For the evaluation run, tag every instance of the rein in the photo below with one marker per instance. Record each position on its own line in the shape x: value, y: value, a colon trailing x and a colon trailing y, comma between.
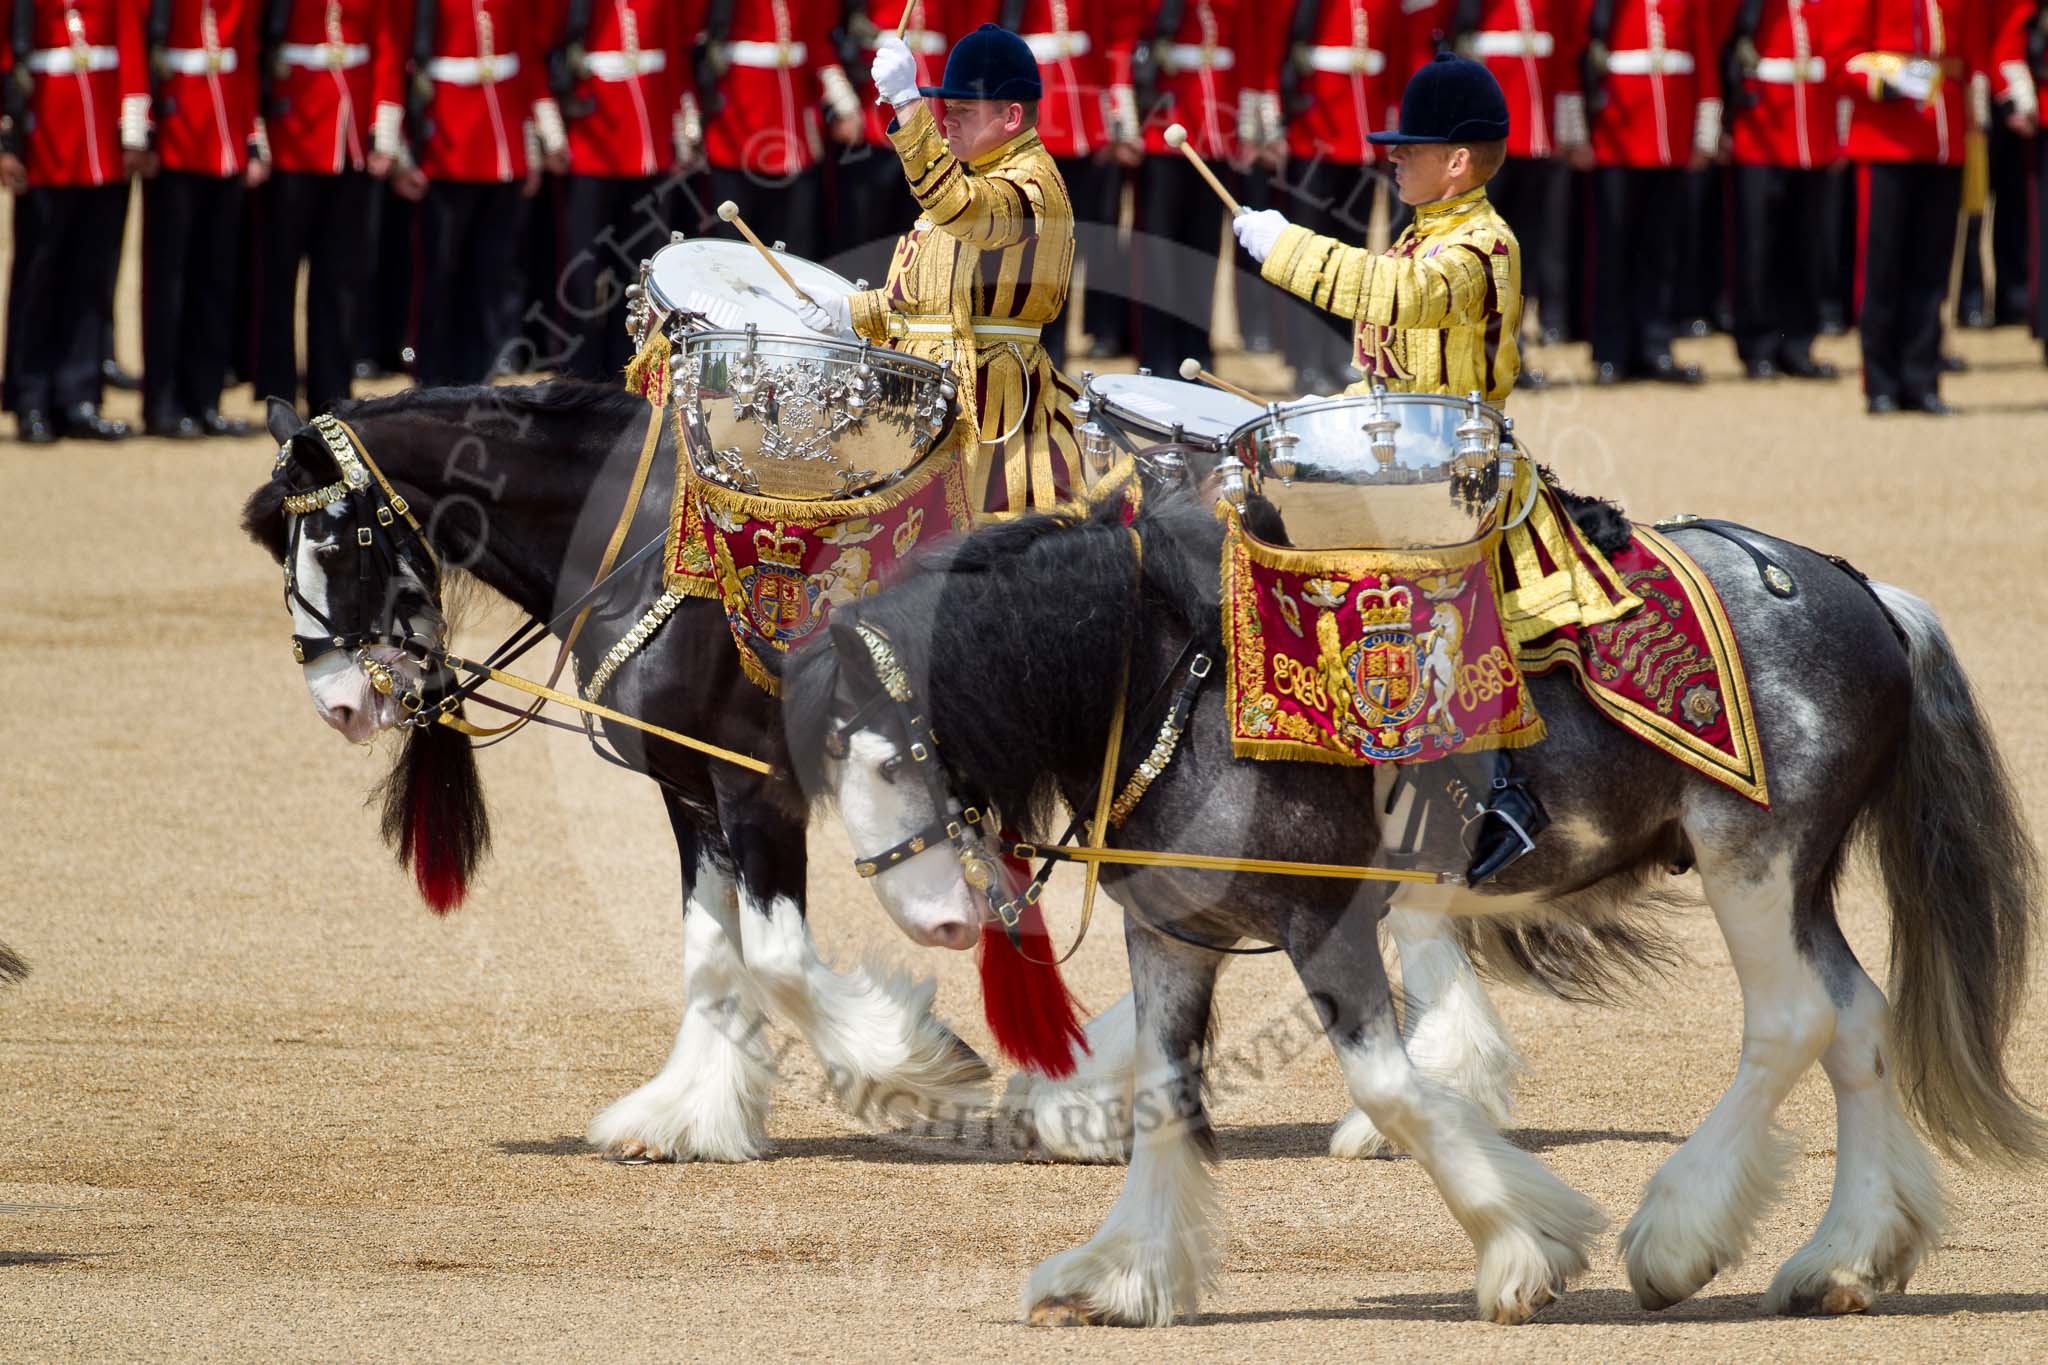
x: 377, y: 539
x: 964, y: 833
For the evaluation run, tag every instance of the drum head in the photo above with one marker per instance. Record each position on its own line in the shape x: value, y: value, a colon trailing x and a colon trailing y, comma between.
x: 1148, y: 407
x: 726, y: 285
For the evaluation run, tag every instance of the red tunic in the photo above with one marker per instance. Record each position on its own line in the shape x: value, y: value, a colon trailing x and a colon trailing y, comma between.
x: 1954, y: 34
x: 1222, y: 49
x: 933, y: 29
x: 488, y: 70
x: 1662, y: 92
x: 206, y: 92
x: 779, y: 63
x: 1790, y: 119
x: 1531, y: 47
x: 341, y: 62
x: 621, y: 119
x: 1071, y: 40
x: 91, y: 94
x: 1357, y: 61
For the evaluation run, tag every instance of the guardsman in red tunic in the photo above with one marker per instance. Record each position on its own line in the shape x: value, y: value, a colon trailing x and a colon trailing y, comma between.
x: 469, y: 147
x: 1653, y: 99
x: 619, y: 71
x: 1344, y: 64
x: 328, y: 65
x: 768, y: 81
x: 1070, y: 40
x: 1906, y: 69
x: 871, y: 203
x: 1782, y: 134
x: 78, y: 110
x: 1207, y: 65
x: 2019, y: 55
x: 1528, y: 45
x: 207, y: 146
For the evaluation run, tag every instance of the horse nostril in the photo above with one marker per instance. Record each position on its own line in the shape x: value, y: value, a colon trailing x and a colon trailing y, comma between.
x: 957, y: 935
x: 342, y: 716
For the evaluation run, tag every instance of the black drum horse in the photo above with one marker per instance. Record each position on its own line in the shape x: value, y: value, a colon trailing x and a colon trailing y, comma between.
x: 1013, y: 651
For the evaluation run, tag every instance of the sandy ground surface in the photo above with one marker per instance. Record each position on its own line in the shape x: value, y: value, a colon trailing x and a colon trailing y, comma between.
x: 256, y: 1102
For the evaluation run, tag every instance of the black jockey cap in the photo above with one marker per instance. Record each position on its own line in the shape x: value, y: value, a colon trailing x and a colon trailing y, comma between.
x: 1452, y: 99
x: 990, y: 63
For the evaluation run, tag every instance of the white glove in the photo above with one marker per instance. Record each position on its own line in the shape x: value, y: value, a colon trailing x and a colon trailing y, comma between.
x: 895, y: 70
x: 829, y: 313
x: 1258, y: 233
x: 1915, y: 81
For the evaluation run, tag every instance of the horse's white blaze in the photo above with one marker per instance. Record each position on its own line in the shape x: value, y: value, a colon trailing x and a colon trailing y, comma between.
x: 1151, y: 1257
x: 884, y: 1051
x: 1887, y: 1209
x: 927, y: 895
x: 1087, y: 1116
x: 1531, y: 1230
x: 1699, y: 1209
x: 340, y: 688
x: 708, y: 1101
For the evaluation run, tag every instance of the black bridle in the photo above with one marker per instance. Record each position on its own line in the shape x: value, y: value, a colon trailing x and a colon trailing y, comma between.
x: 389, y: 542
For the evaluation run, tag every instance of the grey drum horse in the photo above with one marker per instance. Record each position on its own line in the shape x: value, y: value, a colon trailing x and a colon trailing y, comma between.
x: 1013, y: 650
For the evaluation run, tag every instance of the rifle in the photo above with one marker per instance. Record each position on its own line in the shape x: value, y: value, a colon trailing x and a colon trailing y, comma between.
x: 710, y: 59
x: 1147, y: 62
x: 157, y: 41
x: 566, y: 62
x: 1738, y: 64
x: 21, y: 83
x: 1593, y: 61
x: 1301, y: 35
x: 277, y: 21
x: 419, y: 91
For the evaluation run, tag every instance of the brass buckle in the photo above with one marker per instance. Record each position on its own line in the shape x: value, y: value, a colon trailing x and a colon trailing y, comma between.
x: 1201, y: 666
x: 363, y: 537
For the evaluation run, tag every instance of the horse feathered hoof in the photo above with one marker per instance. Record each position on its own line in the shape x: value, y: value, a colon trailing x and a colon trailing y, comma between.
x: 1514, y: 1312
x: 1823, y: 1296
x: 634, y: 1152
x: 1068, y: 1311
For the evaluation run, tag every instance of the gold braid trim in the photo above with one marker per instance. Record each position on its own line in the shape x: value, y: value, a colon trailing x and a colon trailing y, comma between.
x: 651, y: 357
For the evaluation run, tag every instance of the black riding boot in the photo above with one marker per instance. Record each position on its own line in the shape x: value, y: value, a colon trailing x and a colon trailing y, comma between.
x: 1489, y: 790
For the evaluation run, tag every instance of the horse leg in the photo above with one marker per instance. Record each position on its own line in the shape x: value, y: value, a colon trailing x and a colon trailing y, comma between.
x: 708, y: 1100
x: 1085, y: 1117
x: 1452, y: 1032
x: 1887, y: 1208
x: 1698, y: 1210
x: 1531, y: 1230
x: 883, y: 1049
x: 1156, y: 1250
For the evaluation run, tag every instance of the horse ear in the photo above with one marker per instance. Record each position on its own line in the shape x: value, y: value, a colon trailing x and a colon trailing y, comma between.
x: 771, y: 659
x: 282, y: 419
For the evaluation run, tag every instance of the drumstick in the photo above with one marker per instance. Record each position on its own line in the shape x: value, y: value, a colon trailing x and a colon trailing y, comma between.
x: 730, y: 212
x: 1177, y: 137
x: 1192, y: 371
x: 903, y: 24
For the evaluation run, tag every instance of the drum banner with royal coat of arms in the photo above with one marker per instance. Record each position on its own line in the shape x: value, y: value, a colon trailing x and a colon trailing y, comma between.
x: 779, y: 567
x: 1368, y: 656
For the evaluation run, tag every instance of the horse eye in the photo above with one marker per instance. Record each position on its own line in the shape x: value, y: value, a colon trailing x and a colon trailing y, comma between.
x: 890, y: 767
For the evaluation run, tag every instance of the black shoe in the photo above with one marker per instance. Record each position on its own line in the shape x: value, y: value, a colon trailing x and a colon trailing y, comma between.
x: 118, y: 378
x: 36, y: 429
x: 1513, y: 818
x: 1759, y: 369
x: 183, y: 429
x: 1665, y: 369
x: 83, y: 420
x: 1881, y: 404
x: 1953, y: 364
x: 215, y: 424
x: 1806, y: 367
x: 1607, y: 374
x: 1931, y: 404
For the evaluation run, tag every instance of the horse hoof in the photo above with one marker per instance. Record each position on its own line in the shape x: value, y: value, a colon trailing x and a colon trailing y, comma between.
x: 633, y: 1152
x: 1515, y: 1312
x: 1846, y: 1298
x: 1062, y: 1312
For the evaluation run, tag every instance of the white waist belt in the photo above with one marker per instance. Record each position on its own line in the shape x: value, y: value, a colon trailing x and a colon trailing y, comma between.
x: 1790, y: 71
x: 1511, y: 43
x: 325, y: 56
x: 1193, y: 56
x: 773, y: 56
x: 922, y: 40
x: 67, y: 61
x: 473, y: 70
x: 1050, y: 47
x: 1347, y: 61
x: 198, y: 61
x: 929, y: 325
x: 1648, y: 62
x: 623, y: 66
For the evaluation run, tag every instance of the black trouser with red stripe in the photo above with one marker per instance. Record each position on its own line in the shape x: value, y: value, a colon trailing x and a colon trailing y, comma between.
x: 324, y: 221
x: 1638, y: 218
x: 67, y: 245
x: 1782, y: 250
x: 1095, y: 186
x: 191, y: 244
x: 786, y: 209
x: 609, y: 225
x: 471, y: 281
x: 1907, y: 222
